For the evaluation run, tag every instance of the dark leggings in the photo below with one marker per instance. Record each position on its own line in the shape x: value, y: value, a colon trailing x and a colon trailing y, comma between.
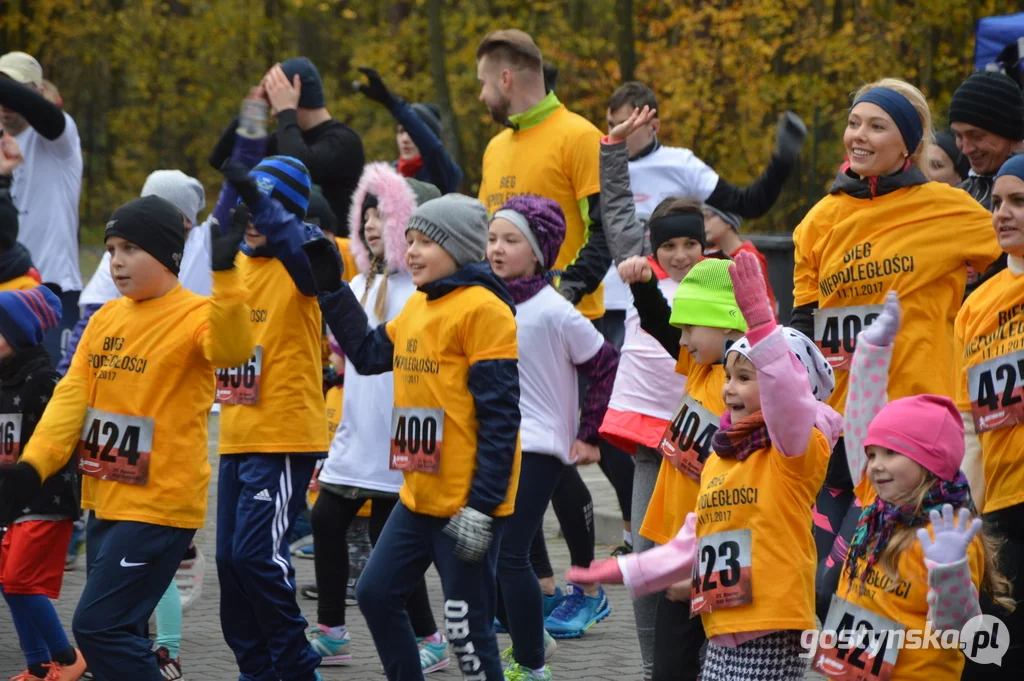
x: 332, y: 514
x: 574, y: 509
x: 677, y: 641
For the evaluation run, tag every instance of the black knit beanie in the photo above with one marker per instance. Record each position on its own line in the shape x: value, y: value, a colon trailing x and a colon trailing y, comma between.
x: 154, y: 225
x: 991, y: 101
x: 312, y: 96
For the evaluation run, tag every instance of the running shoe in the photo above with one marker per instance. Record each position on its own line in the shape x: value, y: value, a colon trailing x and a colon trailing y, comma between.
x: 26, y: 676
x: 310, y: 591
x: 550, y: 646
x: 577, y: 613
x: 517, y: 672
x: 305, y: 552
x: 70, y: 672
x: 433, y: 656
x: 189, y: 577
x: 170, y: 668
x: 552, y: 602
x: 332, y: 651
x: 623, y: 549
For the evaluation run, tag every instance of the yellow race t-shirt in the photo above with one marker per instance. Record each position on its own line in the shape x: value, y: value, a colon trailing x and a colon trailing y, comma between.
x: 557, y: 158
x: 905, y: 603
x: 351, y: 268
x: 850, y: 252
x: 288, y: 414
x: 436, y: 342
x: 135, y: 403
x: 22, y: 283
x: 989, y: 337
x: 675, y: 493
x: 767, y: 497
x: 334, y: 402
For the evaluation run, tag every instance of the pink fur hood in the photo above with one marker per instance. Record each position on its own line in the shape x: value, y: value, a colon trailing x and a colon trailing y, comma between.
x: 396, y: 201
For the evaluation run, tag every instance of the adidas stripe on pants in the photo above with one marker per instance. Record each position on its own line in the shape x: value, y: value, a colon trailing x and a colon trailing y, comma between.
x: 259, y: 497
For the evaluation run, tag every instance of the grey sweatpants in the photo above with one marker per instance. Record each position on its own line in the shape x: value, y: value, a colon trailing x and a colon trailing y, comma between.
x: 648, y: 462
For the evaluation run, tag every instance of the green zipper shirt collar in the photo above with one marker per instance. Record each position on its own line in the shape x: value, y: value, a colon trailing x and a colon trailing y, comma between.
x: 536, y: 114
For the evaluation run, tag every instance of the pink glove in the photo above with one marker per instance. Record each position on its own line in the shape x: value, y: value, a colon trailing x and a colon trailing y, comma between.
x: 659, y: 568
x: 749, y: 288
x: 605, y: 571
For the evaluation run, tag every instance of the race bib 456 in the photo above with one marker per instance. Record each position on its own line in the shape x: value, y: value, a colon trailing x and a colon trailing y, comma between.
x: 241, y: 384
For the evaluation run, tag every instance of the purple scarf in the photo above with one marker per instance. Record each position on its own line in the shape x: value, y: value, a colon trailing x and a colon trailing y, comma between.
x: 524, y: 288
x: 877, y: 521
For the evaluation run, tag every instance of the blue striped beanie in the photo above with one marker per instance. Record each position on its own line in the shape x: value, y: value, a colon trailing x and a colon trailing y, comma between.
x: 286, y: 179
x: 26, y: 316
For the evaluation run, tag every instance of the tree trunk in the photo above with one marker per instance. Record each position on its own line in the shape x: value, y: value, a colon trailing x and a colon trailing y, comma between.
x: 624, y: 38
x: 439, y: 71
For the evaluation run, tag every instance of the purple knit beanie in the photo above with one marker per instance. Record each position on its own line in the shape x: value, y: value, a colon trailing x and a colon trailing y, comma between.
x: 541, y: 221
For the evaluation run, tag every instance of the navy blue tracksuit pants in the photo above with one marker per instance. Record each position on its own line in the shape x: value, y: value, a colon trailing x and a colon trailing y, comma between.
x: 259, y: 496
x: 129, y: 566
x: 409, y: 543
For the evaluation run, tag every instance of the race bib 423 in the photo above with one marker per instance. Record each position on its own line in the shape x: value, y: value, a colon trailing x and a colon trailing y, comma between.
x: 115, y: 447
x: 721, y: 575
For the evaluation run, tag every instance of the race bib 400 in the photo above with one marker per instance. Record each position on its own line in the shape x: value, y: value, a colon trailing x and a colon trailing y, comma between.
x: 241, y: 384
x: 996, y: 388
x: 721, y: 575
x: 686, y: 442
x: 10, y: 438
x: 836, y: 329
x: 416, y: 437
x: 115, y: 447
x: 861, y: 650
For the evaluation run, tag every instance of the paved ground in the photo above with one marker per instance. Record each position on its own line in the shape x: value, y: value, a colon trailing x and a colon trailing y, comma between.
x: 607, y: 652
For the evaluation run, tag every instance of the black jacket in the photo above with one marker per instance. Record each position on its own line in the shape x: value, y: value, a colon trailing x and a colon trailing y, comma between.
x: 27, y: 381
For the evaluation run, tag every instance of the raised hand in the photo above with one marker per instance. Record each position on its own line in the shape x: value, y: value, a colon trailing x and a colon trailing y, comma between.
x: 789, y: 136
x: 883, y: 330
x: 375, y: 89
x: 635, y: 270
x: 638, y: 119
x: 951, y: 538
x: 281, y: 94
x: 749, y: 288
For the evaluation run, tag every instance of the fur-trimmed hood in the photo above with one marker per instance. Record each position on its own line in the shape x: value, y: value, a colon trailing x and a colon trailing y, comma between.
x: 396, y: 200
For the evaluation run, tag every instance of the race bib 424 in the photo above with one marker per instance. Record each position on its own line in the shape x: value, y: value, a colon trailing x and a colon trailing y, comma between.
x: 115, y: 447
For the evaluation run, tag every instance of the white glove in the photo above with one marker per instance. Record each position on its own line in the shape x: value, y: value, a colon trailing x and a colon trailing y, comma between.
x: 471, y: 531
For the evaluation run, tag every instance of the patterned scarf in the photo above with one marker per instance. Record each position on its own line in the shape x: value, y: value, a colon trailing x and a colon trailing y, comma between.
x: 740, y: 440
x: 524, y: 288
x: 878, y: 521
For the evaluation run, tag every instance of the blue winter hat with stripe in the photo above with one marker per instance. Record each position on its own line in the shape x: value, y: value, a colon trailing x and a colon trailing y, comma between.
x: 26, y: 316
x: 286, y: 179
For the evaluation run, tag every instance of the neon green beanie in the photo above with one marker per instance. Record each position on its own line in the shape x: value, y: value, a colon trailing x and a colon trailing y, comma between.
x: 705, y: 298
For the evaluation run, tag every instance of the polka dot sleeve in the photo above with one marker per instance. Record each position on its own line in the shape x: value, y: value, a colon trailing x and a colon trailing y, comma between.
x: 952, y: 597
x: 867, y: 394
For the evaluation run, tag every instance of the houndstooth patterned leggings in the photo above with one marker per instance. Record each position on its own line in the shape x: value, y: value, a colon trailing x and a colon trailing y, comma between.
x: 775, y: 657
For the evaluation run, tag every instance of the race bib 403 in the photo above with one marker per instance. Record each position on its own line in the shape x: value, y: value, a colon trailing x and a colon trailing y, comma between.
x: 115, y: 447
x: 721, y: 575
x: 10, y: 438
x: 686, y: 442
x: 416, y: 437
x: 861, y: 650
x: 996, y: 388
x: 836, y: 329
x: 241, y: 384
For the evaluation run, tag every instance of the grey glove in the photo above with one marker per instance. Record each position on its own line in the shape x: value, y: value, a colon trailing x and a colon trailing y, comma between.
x: 789, y: 136
x: 252, y: 119
x: 471, y: 531
x: 883, y: 330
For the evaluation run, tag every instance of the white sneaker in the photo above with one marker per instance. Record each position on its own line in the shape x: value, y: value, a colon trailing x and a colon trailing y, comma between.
x: 189, y: 579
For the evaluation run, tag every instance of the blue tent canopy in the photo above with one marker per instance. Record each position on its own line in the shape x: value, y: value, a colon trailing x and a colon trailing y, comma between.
x: 993, y: 35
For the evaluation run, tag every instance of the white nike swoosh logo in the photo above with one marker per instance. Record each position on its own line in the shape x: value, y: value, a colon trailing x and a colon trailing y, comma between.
x: 127, y: 564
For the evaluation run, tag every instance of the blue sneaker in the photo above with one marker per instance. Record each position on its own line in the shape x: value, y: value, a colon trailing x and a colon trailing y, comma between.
x: 552, y: 602
x: 577, y: 613
x: 332, y: 651
x: 305, y: 552
x: 433, y: 656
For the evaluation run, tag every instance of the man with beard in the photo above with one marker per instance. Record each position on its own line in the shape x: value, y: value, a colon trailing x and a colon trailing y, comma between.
x: 546, y: 150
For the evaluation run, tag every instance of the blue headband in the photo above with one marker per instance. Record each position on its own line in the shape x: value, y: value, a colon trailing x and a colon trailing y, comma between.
x: 901, y: 111
x: 1013, y: 166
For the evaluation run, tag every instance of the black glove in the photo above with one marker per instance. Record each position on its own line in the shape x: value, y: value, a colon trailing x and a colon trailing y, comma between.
x: 18, y: 484
x: 225, y: 246
x: 789, y: 135
x: 225, y: 144
x: 376, y: 89
x: 237, y: 175
x: 325, y: 262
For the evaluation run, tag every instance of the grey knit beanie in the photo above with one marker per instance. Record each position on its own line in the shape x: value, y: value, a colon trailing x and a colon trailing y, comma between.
x: 185, y: 192
x: 457, y: 223
x: 423, y: 191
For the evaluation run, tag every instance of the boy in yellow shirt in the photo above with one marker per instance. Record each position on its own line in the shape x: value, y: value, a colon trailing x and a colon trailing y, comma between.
x: 454, y: 433
x: 271, y: 428
x: 134, y: 407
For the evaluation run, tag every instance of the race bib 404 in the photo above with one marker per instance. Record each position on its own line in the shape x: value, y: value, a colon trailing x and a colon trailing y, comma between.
x: 836, y: 329
x: 861, y: 649
x: 416, y: 437
x: 721, y: 575
x: 686, y: 442
x: 241, y: 384
x: 116, y: 447
x: 10, y: 438
x: 996, y: 388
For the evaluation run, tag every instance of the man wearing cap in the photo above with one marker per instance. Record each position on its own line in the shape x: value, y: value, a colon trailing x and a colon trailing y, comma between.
x: 547, y: 150
x: 47, y: 185
x: 421, y: 153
